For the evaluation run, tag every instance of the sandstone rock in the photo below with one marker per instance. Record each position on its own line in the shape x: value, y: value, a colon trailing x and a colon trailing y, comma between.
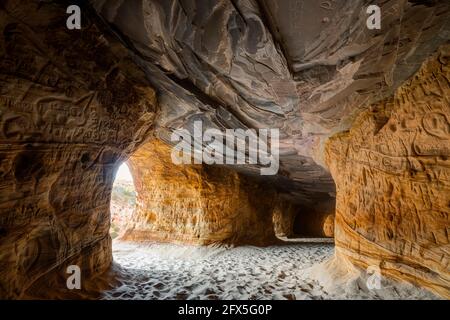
x: 72, y: 107
x: 283, y: 219
x: 197, y: 204
x: 75, y: 104
x: 328, y: 226
x: 392, y: 173
x: 275, y: 64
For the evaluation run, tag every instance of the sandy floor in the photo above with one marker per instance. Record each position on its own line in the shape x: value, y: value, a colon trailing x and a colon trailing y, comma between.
x: 293, y: 271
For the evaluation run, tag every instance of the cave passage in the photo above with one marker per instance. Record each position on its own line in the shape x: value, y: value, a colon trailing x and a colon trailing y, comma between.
x: 363, y: 122
x: 312, y: 224
x: 149, y: 235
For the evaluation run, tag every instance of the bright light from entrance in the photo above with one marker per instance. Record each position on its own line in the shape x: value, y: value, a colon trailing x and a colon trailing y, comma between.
x: 123, y: 201
x: 124, y: 174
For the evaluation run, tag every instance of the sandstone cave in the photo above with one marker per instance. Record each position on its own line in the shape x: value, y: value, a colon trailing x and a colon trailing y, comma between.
x: 363, y: 117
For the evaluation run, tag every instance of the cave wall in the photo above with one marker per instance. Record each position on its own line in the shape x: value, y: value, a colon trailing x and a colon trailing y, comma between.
x: 392, y: 174
x: 197, y: 204
x: 283, y: 218
x: 72, y: 106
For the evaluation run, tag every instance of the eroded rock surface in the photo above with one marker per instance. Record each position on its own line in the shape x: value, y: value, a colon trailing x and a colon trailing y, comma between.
x: 72, y: 106
x: 392, y: 173
x: 197, y: 204
x: 306, y: 67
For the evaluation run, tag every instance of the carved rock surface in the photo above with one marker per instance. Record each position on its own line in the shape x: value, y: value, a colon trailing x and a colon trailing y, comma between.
x: 392, y: 173
x: 72, y: 107
x: 197, y: 204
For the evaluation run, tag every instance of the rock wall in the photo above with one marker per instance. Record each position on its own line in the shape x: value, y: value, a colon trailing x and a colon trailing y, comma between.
x: 197, y: 204
x: 283, y: 219
x: 392, y: 174
x: 72, y: 106
x: 307, y: 67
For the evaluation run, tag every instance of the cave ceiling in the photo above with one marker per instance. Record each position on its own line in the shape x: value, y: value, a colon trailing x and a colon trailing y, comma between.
x: 305, y: 67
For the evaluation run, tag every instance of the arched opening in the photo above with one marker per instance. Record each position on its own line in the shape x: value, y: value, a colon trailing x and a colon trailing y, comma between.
x: 312, y: 222
x: 315, y: 222
x: 123, y: 201
x: 195, y: 230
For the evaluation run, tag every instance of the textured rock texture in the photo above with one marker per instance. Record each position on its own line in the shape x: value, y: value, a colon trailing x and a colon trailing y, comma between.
x: 392, y: 173
x: 197, y: 204
x: 306, y: 67
x: 72, y: 106
x: 283, y: 218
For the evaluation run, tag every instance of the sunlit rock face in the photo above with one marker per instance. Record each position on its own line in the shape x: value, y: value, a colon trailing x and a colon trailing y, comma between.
x: 197, y: 204
x: 72, y: 106
x: 392, y: 173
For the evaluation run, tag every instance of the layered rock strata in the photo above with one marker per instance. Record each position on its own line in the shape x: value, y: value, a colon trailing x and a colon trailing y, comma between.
x: 306, y: 67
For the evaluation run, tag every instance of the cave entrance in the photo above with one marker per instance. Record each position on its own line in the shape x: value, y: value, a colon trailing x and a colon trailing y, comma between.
x: 308, y: 223
x: 123, y: 200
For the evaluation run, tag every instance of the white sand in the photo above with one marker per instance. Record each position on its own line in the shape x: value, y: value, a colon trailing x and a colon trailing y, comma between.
x: 293, y: 271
